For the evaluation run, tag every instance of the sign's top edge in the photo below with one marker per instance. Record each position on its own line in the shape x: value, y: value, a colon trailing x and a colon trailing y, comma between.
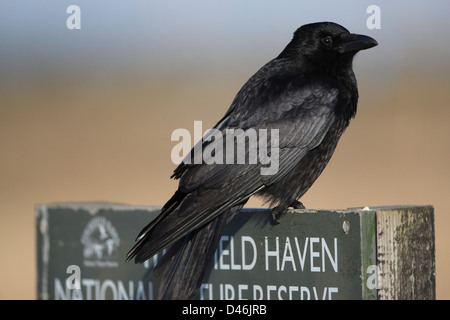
x: 95, y: 206
x: 387, y: 207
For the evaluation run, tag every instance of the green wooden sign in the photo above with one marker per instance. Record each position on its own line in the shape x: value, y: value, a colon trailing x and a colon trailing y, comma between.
x: 310, y: 255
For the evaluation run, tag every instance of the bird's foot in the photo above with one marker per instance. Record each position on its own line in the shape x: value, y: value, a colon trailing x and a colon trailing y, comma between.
x: 278, y: 212
x: 297, y: 205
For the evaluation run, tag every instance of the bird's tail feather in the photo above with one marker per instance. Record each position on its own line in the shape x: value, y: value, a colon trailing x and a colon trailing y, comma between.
x: 184, y: 265
x: 142, y: 237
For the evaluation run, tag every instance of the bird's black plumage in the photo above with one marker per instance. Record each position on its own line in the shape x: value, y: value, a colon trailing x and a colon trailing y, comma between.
x: 309, y: 94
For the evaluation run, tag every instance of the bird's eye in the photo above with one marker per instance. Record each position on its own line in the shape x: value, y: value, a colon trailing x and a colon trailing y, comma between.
x: 328, y: 41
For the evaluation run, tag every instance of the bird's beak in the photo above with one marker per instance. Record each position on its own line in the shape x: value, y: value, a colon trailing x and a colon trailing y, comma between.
x: 352, y: 43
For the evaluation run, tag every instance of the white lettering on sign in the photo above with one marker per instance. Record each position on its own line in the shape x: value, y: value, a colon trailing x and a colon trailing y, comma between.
x: 239, y: 255
x: 227, y: 291
x: 226, y: 259
x: 316, y: 248
x: 94, y: 289
x: 273, y: 254
x: 245, y: 240
x: 292, y: 255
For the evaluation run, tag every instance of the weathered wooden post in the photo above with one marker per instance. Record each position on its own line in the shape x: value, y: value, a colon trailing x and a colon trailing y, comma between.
x: 406, y: 253
x: 357, y: 253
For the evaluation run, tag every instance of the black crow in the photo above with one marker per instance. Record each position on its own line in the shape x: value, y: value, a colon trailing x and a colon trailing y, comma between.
x: 305, y: 98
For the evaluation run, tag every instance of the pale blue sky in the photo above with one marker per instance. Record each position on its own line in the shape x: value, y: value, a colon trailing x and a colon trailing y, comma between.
x: 167, y: 36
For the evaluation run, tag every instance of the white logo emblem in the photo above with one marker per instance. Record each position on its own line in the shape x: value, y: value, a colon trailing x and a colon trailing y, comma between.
x: 101, y: 243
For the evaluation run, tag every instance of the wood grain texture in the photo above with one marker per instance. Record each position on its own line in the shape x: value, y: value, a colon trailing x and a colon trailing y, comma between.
x: 406, y: 253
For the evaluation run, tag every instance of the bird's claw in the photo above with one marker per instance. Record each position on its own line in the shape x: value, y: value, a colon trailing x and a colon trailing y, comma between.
x: 297, y: 205
x: 277, y: 212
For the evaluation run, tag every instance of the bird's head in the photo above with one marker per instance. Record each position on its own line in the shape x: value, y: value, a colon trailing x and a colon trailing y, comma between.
x: 325, y: 43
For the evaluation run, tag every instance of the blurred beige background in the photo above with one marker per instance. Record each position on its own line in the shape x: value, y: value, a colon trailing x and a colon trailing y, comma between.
x: 87, y: 115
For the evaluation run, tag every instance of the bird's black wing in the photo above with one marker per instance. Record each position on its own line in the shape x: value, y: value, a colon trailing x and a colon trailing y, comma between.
x: 300, y: 107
